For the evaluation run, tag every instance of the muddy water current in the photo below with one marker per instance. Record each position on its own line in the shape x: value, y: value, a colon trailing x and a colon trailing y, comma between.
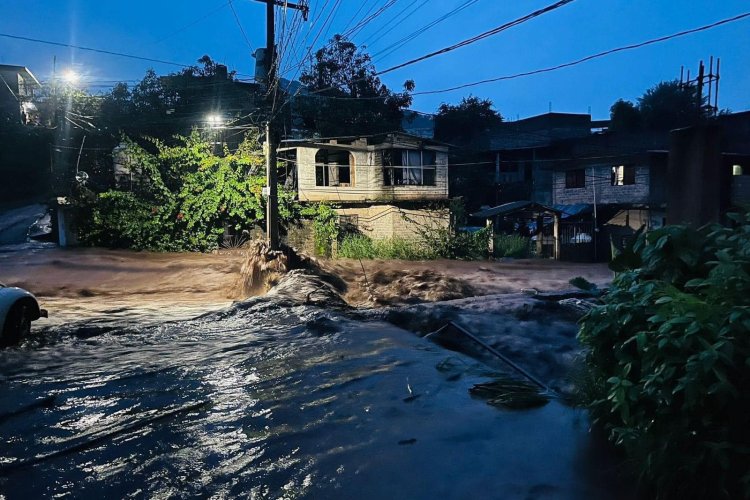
x: 266, y: 401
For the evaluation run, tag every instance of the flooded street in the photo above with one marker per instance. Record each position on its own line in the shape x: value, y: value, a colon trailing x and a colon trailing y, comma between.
x: 121, y: 394
x: 271, y: 401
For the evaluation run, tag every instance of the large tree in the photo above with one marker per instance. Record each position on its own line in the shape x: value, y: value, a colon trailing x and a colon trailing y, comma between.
x: 162, y: 106
x: 670, y: 105
x: 346, y: 97
x: 665, y: 106
x: 624, y: 116
x: 465, y: 122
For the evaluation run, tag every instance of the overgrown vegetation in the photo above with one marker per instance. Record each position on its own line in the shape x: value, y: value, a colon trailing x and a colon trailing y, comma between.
x: 183, y: 197
x: 440, y: 244
x: 357, y: 246
x: 512, y: 245
x: 669, y: 358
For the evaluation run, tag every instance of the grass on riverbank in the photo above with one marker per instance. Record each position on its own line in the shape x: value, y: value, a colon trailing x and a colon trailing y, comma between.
x: 362, y: 247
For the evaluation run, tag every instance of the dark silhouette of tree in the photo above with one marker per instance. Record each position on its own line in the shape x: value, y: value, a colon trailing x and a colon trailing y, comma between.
x: 624, y: 116
x: 467, y: 121
x: 346, y: 96
x: 162, y: 106
x: 669, y: 105
x: 208, y: 67
x: 665, y: 106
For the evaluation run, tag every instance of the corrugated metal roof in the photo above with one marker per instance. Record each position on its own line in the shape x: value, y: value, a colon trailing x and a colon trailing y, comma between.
x: 513, y: 206
x: 574, y: 210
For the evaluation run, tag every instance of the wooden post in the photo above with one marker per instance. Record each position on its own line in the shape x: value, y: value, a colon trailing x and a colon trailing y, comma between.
x: 272, y: 205
x: 556, y: 232
x: 539, y: 235
x: 491, y: 242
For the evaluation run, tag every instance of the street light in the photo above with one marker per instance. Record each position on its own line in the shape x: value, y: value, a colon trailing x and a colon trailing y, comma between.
x: 214, y: 121
x: 71, y: 77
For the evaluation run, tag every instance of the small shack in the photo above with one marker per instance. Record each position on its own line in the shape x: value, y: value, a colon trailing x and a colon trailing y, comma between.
x: 540, y: 220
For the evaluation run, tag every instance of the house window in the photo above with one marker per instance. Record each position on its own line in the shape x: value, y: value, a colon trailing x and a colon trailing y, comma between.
x: 623, y: 175
x: 321, y: 175
x: 736, y: 169
x: 409, y: 167
x: 334, y: 168
x: 575, y: 179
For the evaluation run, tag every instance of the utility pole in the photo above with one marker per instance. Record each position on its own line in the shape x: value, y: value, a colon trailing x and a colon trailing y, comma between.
x: 272, y: 204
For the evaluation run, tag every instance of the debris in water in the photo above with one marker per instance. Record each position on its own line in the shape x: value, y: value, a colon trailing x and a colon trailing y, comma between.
x: 407, y: 441
x: 262, y: 269
x: 509, y: 393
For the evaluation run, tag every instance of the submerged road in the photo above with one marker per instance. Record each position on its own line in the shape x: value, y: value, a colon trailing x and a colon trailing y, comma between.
x: 271, y: 401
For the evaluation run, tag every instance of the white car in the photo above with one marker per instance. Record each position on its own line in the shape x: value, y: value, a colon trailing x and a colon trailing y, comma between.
x: 18, y: 308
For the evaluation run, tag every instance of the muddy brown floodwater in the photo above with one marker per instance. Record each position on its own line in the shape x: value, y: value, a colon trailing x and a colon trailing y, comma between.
x: 153, y: 379
x: 103, y: 285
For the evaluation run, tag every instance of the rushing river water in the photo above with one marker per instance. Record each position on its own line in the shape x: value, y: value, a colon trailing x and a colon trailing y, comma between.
x: 266, y: 401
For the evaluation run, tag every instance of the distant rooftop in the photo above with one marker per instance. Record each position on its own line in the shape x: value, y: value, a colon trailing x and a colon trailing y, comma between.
x: 22, y: 70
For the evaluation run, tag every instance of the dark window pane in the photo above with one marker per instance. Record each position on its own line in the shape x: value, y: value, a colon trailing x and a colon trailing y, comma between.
x: 575, y: 178
x: 398, y: 176
x: 345, y: 175
x: 429, y: 176
x: 387, y: 176
x: 629, y: 175
x: 320, y: 175
x: 428, y: 158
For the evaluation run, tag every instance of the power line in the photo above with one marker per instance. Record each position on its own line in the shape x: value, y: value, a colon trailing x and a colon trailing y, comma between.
x: 193, y: 23
x: 90, y: 49
x: 468, y: 41
x: 552, y: 68
x: 396, y: 45
x: 361, y: 6
x: 589, y: 58
x: 239, y: 25
x: 356, y: 29
x: 393, y: 21
x: 481, y: 36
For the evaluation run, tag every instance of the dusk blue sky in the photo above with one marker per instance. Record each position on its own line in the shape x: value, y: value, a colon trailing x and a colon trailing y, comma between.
x: 579, y: 29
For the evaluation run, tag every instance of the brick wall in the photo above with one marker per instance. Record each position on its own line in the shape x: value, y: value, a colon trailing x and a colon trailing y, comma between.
x: 390, y: 221
x: 605, y: 192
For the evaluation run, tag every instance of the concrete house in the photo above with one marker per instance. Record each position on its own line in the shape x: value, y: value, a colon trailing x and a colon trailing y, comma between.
x: 388, y: 185
x: 622, y: 175
x: 17, y: 87
x: 513, y: 163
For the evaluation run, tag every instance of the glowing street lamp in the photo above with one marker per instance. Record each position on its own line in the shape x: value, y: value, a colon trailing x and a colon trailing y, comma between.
x: 71, y: 77
x: 214, y: 121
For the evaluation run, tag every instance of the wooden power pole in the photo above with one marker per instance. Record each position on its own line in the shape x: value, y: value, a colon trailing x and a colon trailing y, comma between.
x: 272, y: 204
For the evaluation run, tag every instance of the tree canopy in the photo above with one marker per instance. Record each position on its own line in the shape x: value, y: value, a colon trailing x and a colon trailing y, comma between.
x: 465, y: 122
x: 161, y: 106
x: 665, y: 106
x: 346, y: 97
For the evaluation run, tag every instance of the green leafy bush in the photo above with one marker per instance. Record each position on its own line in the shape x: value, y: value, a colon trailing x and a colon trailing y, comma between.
x: 511, y: 245
x: 447, y: 243
x: 325, y: 226
x: 357, y: 246
x: 669, y: 354
x: 182, y: 199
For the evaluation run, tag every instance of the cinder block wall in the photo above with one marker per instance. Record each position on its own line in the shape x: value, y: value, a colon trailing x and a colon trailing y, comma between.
x: 390, y: 221
x: 605, y: 192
